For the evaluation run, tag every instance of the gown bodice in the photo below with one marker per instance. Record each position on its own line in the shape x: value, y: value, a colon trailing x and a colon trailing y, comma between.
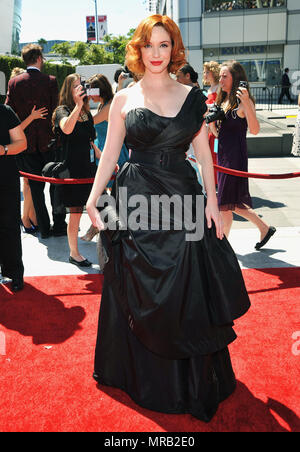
x: 150, y: 132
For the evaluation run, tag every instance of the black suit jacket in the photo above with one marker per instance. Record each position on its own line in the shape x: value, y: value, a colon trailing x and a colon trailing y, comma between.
x: 285, y: 81
x: 30, y: 89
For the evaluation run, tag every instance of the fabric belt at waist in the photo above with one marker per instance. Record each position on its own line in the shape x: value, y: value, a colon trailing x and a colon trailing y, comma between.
x: 164, y: 159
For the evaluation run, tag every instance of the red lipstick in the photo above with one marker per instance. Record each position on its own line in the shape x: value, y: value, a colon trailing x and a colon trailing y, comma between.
x: 156, y: 63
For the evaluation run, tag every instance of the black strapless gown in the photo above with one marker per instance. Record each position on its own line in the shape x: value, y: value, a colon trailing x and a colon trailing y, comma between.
x: 168, y: 304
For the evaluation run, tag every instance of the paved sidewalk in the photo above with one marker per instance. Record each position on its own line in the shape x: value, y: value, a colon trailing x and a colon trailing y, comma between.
x: 277, y: 201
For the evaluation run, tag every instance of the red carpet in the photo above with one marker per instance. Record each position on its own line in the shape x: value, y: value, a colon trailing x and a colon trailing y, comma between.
x: 47, y: 337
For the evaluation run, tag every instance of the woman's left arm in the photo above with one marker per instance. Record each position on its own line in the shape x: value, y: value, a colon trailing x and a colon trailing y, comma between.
x: 248, y: 109
x: 203, y: 156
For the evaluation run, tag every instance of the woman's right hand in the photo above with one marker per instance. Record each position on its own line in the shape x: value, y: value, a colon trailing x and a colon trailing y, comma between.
x: 79, y: 94
x: 41, y: 113
x: 94, y: 215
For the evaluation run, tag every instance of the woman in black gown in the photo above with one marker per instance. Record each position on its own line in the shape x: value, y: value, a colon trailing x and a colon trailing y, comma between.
x: 168, y: 304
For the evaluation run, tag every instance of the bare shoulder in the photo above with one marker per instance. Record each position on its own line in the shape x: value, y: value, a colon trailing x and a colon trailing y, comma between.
x: 119, y: 100
x: 128, y: 98
x: 181, y: 89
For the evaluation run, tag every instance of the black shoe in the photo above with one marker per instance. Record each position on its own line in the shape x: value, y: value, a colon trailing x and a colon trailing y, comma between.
x: 17, y: 284
x: 266, y: 238
x: 35, y: 226
x: 84, y: 263
x: 31, y: 230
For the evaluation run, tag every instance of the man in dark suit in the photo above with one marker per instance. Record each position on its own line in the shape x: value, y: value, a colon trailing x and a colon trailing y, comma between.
x: 33, y: 88
x: 285, y: 87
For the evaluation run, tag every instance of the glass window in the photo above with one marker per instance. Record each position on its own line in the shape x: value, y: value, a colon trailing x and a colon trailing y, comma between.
x: 267, y: 71
x: 225, y: 5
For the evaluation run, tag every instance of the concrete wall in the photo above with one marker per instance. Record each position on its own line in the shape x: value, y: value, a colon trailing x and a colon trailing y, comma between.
x: 6, y: 25
x: 227, y: 30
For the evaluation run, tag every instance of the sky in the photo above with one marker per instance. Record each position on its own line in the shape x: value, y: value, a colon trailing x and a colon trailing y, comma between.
x: 66, y: 19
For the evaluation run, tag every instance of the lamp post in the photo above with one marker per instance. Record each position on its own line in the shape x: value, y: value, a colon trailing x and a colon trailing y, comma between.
x: 96, y: 20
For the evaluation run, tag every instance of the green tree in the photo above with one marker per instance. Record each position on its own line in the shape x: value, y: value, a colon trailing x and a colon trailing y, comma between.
x: 113, y: 51
x: 98, y: 55
x: 117, y: 46
x: 42, y: 42
x: 80, y: 52
x: 63, y: 49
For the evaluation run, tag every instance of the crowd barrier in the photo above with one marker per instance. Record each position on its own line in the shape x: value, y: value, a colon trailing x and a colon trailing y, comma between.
x: 267, y: 98
x: 221, y: 169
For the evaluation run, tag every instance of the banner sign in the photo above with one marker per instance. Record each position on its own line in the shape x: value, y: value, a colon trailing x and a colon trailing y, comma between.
x: 102, y: 27
x: 91, y: 28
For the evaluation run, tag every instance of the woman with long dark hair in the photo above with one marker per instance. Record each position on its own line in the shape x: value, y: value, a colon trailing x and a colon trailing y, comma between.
x: 239, y: 107
x: 76, y: 126
x: 105, y: 98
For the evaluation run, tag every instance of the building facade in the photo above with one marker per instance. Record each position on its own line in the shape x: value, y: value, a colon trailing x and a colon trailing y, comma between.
x: 153, y: 6
x: 264, y: 35
x: 10, y: 25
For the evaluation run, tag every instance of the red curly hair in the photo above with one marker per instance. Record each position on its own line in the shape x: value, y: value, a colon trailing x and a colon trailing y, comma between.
x: 142, y: 37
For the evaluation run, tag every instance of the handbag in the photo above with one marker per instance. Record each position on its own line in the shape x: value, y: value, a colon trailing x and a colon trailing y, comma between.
x: 57, y: 169
x: 115, y: 227
x: 113, y: 233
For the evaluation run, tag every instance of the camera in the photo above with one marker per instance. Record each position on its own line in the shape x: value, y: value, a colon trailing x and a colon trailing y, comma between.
x: 126, y: 73
x: 216, y: 113
x: 88, y: 90
x: 242, y: 84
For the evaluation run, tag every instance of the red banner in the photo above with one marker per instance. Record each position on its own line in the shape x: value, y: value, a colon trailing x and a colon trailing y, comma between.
x: 91, y: 28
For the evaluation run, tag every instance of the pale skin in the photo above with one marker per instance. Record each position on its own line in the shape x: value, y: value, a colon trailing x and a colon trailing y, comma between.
x: 67, y: 125
x: 246, y: 110
x: 163, y: 96
x: 208, y: 77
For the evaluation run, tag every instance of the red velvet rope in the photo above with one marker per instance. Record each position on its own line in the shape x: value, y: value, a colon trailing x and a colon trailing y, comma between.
x: 233, y: 172
x: 53, y: 180
x: 221, y: 169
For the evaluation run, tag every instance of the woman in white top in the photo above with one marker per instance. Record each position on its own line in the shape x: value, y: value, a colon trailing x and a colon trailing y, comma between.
x: 296, y: 141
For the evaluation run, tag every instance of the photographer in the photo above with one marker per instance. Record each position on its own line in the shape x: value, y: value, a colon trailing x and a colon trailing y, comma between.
x: 101, y: 91
x: 238, y: 115
x: 77, y: 135
x: 124, y: 79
